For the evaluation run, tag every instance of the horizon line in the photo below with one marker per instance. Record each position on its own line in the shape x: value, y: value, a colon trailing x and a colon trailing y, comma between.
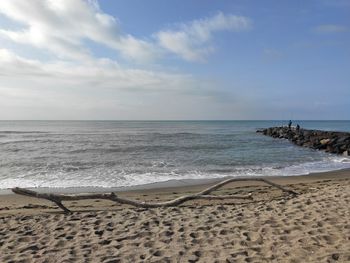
x: 169, y: 120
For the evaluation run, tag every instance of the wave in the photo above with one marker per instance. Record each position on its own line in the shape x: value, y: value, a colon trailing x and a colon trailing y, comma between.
x: 151, y: 148
x: 21, y: 132
x: 48, y: 141
x: 74, y: 175
x: 175, y: 133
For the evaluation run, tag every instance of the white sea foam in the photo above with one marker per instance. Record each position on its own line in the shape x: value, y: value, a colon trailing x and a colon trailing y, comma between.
x: 113, y: 179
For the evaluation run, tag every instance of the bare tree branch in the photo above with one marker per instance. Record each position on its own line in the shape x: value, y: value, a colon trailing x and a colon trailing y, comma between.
x: 58, y: 198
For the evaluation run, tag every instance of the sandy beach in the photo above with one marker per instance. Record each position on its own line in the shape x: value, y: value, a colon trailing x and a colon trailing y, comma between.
x: 273, y: 227
x: 174, y: 131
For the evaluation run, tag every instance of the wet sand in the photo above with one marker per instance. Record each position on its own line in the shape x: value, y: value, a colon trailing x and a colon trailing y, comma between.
x: 273, y: 227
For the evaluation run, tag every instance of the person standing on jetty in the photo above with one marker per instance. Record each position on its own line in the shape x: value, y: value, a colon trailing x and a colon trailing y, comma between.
x: 289, y: 124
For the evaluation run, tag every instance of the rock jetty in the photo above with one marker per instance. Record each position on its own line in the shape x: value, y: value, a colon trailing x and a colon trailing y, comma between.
x: 329, y: 141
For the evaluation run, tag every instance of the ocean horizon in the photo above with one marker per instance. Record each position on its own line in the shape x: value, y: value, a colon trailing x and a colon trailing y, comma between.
x: 64, y: 154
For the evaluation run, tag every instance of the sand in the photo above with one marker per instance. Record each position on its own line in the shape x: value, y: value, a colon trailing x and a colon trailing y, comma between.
x: 312, y: 227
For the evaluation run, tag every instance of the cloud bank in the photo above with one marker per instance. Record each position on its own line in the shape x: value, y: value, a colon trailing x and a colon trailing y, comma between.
x: 74, y: 83
x: 62, y: 26
x: 100, y: 84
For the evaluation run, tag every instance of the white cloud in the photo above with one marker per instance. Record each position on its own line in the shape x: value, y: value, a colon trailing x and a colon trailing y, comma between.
x: 190, y: 40
x: 75, y: 84
x: 61, y: 26
x: 331, y: 28
x: 103, y: 71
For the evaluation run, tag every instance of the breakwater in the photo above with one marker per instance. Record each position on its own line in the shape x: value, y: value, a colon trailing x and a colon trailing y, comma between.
x: 329, y: 141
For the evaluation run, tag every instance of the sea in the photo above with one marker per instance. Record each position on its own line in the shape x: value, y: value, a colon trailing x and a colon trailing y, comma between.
x: 63, y: 154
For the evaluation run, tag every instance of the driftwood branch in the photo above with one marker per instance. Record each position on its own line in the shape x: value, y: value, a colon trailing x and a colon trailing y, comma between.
x: 58, y: 198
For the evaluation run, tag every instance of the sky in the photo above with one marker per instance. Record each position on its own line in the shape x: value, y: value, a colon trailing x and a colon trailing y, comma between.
x: 174, y: 60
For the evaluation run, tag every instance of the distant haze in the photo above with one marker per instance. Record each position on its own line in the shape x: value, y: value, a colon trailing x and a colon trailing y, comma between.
x: 151, y: 60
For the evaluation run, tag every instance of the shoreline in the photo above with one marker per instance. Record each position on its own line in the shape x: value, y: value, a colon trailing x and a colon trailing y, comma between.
x: 14, y: 203
x: 183, y: 183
